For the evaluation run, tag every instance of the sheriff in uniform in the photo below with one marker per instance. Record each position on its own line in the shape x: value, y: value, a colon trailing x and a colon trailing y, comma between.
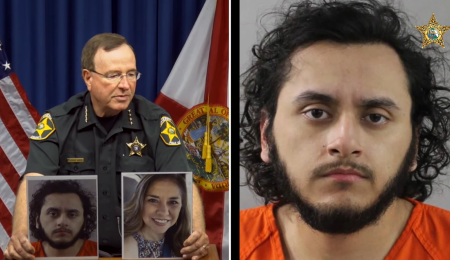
x: 108, y: 130
x: 70, y: 140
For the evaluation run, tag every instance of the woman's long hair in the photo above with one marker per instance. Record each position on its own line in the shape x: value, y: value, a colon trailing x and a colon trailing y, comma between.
x: 176, y: 234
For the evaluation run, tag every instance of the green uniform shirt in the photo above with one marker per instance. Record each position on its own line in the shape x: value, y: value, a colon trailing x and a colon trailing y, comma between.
x: 76, y: 133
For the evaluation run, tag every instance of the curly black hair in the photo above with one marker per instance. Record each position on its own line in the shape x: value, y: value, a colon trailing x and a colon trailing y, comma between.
x: 64, y: 187
x: 350, y: 22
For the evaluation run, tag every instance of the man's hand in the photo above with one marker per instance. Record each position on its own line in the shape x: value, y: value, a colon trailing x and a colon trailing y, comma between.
x: 196, y: 245
x: 19, y: 247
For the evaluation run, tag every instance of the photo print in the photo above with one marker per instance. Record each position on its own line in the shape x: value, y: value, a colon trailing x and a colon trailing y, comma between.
x: 156, y: 214
x: 62, y: 214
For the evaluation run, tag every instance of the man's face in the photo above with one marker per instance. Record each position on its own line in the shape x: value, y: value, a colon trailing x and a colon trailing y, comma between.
x: 162, y: 205
x: 342, y: 129
x: 61, y: 219
x: 110, y: 97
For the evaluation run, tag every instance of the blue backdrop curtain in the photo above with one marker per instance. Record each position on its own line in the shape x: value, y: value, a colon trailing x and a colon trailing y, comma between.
x: 44, y: 39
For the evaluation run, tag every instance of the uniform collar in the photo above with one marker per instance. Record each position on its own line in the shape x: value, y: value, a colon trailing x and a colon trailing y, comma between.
x: 124, y: 118
x: 87, y: 117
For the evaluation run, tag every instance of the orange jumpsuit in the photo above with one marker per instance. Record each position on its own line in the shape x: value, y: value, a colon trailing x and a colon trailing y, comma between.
x: 426, y: 235
x: 89, y: 248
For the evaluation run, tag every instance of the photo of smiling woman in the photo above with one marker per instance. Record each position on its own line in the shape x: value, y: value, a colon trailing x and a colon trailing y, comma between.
x: 157, y: 218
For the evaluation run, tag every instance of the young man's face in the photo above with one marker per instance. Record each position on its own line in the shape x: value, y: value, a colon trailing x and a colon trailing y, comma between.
x: 342, y: 127
x: 61, y: 219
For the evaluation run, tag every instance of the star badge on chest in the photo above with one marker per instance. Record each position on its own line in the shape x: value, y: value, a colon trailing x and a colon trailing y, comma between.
x: 136, y: 147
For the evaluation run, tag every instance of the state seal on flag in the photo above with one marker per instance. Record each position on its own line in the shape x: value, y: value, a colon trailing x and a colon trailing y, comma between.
x: 192, y: 127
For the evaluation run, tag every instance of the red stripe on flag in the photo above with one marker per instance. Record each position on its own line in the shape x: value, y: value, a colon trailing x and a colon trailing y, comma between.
x: 175, y: 109
x: 34, y: 113
x: 8, y: 172
x: 19, y: 137
x: 216, y: 89
x: 213, y: 207
x: 13, y: 126
x: 5, y: 218
x: 217, y: 77
x: 1, y: 254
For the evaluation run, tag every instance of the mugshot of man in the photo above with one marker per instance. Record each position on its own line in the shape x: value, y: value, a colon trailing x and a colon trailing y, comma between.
x: 343, y: 131
x: 62, y: 217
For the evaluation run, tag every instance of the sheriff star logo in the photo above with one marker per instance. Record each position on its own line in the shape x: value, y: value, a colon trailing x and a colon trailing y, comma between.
x: 169, y: 132
x: 433, y: 32
x: 136, y: 147
x: 44, y: 128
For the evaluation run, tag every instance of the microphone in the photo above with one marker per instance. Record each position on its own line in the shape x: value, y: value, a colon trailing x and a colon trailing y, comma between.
x: 118, y: 216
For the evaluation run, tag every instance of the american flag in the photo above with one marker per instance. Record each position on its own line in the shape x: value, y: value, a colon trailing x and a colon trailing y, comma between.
x: 18, y: 120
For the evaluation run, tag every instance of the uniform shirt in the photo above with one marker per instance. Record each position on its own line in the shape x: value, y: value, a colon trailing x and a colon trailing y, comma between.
x: 89, y: 248
x: 78, y: 134
x: 426, y: 235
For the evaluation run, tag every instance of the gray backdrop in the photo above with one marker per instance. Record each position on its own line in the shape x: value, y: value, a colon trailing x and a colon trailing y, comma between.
x: 251, y: 32
x: 88, y: 183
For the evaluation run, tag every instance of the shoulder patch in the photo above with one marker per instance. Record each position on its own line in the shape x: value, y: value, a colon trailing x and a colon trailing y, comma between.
x: 169, y: 132
x: 44, y: 128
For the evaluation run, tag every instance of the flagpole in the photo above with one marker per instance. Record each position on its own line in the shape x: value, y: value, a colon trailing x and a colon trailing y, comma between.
x: 208, y: 163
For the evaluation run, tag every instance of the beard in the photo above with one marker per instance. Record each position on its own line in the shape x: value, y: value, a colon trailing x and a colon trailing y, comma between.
x: 344, y: 220
x: 57, y: 244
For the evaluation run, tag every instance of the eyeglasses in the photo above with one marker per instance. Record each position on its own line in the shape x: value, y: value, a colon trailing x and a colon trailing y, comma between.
x: 117, y: 77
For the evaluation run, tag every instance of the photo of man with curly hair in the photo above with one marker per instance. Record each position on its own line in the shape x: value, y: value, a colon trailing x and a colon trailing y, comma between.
x: 344, y: 132
x: 62, y: 217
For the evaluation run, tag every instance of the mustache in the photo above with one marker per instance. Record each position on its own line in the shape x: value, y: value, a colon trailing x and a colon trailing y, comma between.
x: 321, y: 170
x: 62, y: 230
